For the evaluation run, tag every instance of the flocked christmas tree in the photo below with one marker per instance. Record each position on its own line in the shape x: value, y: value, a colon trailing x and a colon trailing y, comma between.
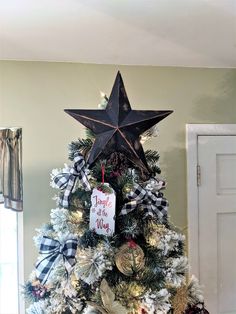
x: 109, y: 247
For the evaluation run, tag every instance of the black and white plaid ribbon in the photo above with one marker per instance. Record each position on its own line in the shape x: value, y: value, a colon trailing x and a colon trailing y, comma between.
x: 54, y: 251
x: 67, y: 180
x: 155, y: 185
x: 151, y: 202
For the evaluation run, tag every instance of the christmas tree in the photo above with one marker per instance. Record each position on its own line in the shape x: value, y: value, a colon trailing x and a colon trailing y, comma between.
x: 110, y: 247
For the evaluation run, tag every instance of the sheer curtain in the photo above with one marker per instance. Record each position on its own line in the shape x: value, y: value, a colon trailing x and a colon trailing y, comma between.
x: 11, y: 193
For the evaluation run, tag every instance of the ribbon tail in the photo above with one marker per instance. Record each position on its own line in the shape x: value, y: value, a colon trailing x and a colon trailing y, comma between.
x: 128, y: 207
x: 65, y: 200
x: 69, y: 254
x: 67, y: 269
x: 69, y: 265
x: 84, y: 181
x: 43, y: 274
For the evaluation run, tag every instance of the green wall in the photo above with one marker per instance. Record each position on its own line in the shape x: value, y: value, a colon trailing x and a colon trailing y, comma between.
x: 34, y: 94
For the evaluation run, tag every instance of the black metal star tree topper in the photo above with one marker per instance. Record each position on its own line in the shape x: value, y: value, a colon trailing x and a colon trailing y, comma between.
x: 118, y: 127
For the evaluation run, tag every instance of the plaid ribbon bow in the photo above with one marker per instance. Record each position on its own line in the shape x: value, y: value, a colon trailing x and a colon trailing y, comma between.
x: 67, y: 180
x: 55, y: 251
x: 153, y: 203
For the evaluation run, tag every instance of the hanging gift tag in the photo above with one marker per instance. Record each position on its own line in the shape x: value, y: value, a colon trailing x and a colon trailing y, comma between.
x: 102, y: 211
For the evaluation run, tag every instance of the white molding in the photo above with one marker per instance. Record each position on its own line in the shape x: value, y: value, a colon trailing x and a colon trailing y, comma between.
x: 20, y: 272
x: 192, y: 133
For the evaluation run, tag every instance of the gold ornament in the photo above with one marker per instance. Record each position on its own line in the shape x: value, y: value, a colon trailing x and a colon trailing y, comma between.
x: 127, y: 291
x: 129, y: 295
x: 153, y: 239
x: 127, y: 188
x: 77, y: 222
x: 76, y: 217
x: 74, y: 280
x: 154, y: 233
x: 180, y: 300
x: 75, y: 201
x: 130, y: 258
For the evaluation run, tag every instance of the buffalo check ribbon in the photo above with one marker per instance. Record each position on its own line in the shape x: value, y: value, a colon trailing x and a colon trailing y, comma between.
x: 152, y: 203
x: 66, y: 181
x: 54, y: 251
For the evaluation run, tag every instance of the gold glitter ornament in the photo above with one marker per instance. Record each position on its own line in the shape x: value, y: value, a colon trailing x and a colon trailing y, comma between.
x: 153, y: 240
x: 154, y: 233
x: 76, y: 202
x: 130, y: 258
x: 76, y: 217
x: 77, y: 222
x: 74, y: 281
x: 180, y: 300
x: 127, y: 188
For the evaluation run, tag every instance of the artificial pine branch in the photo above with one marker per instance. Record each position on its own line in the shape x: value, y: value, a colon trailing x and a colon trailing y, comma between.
x: 89, y: 239
x: 154, y: 169
x: 82, y: 145
x: 35, y: 292
x: 80, y: 199
x: 97, y: 170
x: 126, y: 180
x: 89, y: 134
x: 153, y: 277
x: 152, y: 156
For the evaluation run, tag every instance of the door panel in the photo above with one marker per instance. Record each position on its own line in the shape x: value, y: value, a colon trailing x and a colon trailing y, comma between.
x: 217, y: 222
x: 226, y: 262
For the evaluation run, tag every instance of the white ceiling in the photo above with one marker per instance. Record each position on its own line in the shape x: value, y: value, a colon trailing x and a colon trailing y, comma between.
x: 199, y: 33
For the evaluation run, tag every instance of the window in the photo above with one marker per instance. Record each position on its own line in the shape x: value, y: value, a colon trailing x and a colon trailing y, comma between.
x: 11, y: 221
x: 11, y: 261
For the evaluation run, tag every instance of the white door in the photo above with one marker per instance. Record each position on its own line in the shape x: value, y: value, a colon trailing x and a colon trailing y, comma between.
x: 217, y: 222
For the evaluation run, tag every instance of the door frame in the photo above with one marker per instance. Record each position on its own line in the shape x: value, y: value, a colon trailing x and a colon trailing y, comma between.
x: 192, y: 133
x: 20, y: 245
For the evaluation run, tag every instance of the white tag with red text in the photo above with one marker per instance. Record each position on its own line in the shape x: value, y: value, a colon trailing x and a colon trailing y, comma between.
x: 102, y: 211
